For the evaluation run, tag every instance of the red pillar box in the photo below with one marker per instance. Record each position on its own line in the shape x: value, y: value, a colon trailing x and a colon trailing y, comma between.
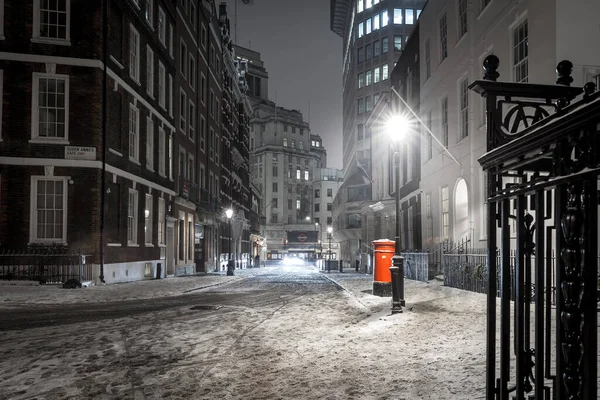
x: 382, y: 278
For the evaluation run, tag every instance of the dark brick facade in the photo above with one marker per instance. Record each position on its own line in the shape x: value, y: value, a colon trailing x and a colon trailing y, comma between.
x: 98, y: 186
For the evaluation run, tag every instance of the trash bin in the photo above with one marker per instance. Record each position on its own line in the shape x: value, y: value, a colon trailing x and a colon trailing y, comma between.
x: 382, y: 277
x: 158, y: 270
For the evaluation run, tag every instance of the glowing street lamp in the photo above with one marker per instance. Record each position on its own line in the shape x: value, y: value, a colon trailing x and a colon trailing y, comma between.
x: 397, y: 128
x: 230, y: 262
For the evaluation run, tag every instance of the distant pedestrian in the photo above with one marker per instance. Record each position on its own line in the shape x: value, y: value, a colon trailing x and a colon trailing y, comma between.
x: 257, y: 261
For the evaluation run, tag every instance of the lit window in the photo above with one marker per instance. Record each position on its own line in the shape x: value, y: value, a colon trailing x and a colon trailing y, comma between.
x: 397, y: 16
x: 368, y: 4
x: 409, y: 17
x: 361, y: 30
x: 359, y: 6
x: 376, y: 75
x: 48, y: 209
x: 306, y: 175
x: 285, y: 143
x: 50, y: 107
x: 375, y: 22
x: 298, y: 174
x: 369, y: 77
x: 148, y: 220
x: 368, y: 26
x: 384, y: 72
x: 298, y: 204
x: 385, y: 19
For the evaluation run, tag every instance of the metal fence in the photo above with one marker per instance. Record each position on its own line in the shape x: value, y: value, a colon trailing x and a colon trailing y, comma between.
x: 45, y: 265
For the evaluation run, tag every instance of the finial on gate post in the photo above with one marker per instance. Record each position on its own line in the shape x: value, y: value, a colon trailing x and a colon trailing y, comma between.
x: 588, y: 89
x: 490, y: 65
x: 564, y: 70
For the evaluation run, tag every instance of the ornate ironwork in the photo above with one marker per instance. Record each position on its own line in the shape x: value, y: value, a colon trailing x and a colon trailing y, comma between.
x: 572, y: 288
x: 543, y: 165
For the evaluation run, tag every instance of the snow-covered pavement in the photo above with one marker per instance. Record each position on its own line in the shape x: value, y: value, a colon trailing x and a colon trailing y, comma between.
x: 310, y: 343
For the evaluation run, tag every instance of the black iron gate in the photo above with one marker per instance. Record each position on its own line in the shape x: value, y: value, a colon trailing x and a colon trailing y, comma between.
x: 542, y: 166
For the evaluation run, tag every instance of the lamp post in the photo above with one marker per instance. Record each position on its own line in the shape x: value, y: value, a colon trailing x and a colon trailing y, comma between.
x: 397, y: 127
x: 230, y: 262
x: 329, y: 230
x: 316, y: 239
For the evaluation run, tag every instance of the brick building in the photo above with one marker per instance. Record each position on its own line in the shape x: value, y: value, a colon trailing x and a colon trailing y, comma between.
x: 110, y: 132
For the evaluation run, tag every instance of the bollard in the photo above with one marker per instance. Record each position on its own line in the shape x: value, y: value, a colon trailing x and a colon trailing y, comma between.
x: 341, y: 266
x: 397, y: 272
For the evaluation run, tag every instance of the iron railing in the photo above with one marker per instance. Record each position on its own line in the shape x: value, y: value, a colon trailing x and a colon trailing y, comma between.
x: 45, y: 265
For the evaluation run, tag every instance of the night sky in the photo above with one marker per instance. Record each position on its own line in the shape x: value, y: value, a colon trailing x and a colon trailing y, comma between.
x: 303, y: 58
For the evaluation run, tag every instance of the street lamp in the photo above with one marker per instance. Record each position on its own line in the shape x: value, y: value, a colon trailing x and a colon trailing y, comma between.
x: 316, y: 238
x: 230, y: 262
x: 398, y: 126
x: 329, y: 230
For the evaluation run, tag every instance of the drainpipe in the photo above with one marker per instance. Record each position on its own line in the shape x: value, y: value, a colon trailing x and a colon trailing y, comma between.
x: 104, y: 115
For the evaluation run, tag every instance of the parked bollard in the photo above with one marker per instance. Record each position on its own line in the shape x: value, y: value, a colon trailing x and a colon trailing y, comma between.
x: 397, y: 272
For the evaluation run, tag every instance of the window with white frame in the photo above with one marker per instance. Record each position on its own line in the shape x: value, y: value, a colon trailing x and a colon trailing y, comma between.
x: 445, y: 121
x: 161, y: 85
x: 162, y: 26
x: 171, y: 40
x: 162, y: 144
x: 171, y: 95
x: 484, y: 4
x: 183, y: 58
x: 170, y: 156
x: 427, y: 58
x: 443, y: 38
x: 149, y: 11
x: 182, y: 109
x: 1, y: 99
x: 50, y: 114
x: 428, y: 216
x: 464, y: 108
x: 149, y: 71
x: 49, y: 209
x: 202, y: 134
x: 150, y: 143
x: 134, y: 53
x: 462, y: 18
x: 134, y: 133
x: 203, y: 88
x: 445, y: 214
x: 192, y: 121
x: 148, y: 220
x: 192, y: 79
x: 520, y: 52
x: 160, y: 226
x: 52, y: 20
x: 132, y: 217
x: 429, y: 154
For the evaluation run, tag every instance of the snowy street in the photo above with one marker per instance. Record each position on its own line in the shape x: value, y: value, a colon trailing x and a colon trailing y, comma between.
x: 268, y: 333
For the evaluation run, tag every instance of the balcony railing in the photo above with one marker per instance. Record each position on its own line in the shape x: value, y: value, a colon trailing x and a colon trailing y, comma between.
x: 208, y: 202
x: 187, y: 189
